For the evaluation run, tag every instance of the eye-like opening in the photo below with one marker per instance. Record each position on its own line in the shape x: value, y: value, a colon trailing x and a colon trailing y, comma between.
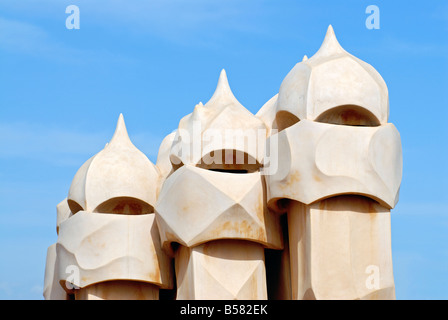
x: 74, y: 206
x: 349, y: 115
x: 230, y: 161
x: 284, y: 119
x: 124, y: 205
x: 366, y: 200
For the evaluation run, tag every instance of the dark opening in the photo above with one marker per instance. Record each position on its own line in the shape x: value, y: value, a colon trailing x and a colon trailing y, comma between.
x: 285, y: 119
x: 124, y: 205
x: 230, y: 161
x: 349, y: 115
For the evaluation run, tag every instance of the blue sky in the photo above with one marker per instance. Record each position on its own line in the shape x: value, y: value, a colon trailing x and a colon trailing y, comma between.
x: 61, y: 92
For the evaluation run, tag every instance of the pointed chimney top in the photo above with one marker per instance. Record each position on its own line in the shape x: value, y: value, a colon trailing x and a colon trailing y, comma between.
x: 330, y: 45
x: 222, y: 90
x: 305, y: 57
x: 121, y: 133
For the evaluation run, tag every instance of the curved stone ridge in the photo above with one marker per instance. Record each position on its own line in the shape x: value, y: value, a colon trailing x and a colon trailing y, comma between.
x: 62, y: 213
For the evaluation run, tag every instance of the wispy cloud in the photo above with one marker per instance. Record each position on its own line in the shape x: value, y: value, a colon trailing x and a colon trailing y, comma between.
x: 54, y: 145
x: 194, y: 22
x: 175, y: 18
x: 21, y: 36
x: 395, y: 46
x: 27, y: 38
x: 61, y: 146
x: 399, y: 46
x: 422, y: 208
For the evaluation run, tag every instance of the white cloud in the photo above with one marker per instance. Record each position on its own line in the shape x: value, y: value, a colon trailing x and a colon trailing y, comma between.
x: 61, y: 146
x: 421, y: 208
x: 21, y: 36
x: 400, y: 46
x: 27, y: 38
x: 194, y: 22
x: 396, y: 46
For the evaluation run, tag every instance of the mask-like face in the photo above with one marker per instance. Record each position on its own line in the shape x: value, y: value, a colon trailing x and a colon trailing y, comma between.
x: 339, y: 164
x: 106, y: 227
x: 215, y: 189
x: 213, y: 202
x: 91, y: 242
x: 198, y: 205
x: 319, y: 160
x: 334, y: 137
x: 118, y: 179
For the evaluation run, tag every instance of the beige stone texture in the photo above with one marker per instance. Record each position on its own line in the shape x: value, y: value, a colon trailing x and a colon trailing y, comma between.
x: 119, y: 178
x: 267, y: 113
x: 52, y: 288
x: 106, y: 247
x: 339, y: 174
x: 110, y: 250
x: 221, y: 270
x: 62, y: 213
x: 211, y: 210
x: 320, y: 160
x: 341, y: 249
x: 219, y: 125
x: 197, y: 205
x: 119, y: 290
x: 163, y: 157
x: 333, y: 78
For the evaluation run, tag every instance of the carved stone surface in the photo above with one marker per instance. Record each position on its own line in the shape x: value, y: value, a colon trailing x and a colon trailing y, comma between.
x: 221, y: 124
x: 221, y: 270
x: 319, y: 160
x: 235, y: 209
x: 338, y: 244
x: 339, y: 169
x: 334, y: 78
x: 119, y: 177
x: 52, y: 289
x: 62, y: 213
x: 119, y: 290
x: 267, y: 113
x: 163, y: 158
x: 110, y: 247
x: 198, y: 207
